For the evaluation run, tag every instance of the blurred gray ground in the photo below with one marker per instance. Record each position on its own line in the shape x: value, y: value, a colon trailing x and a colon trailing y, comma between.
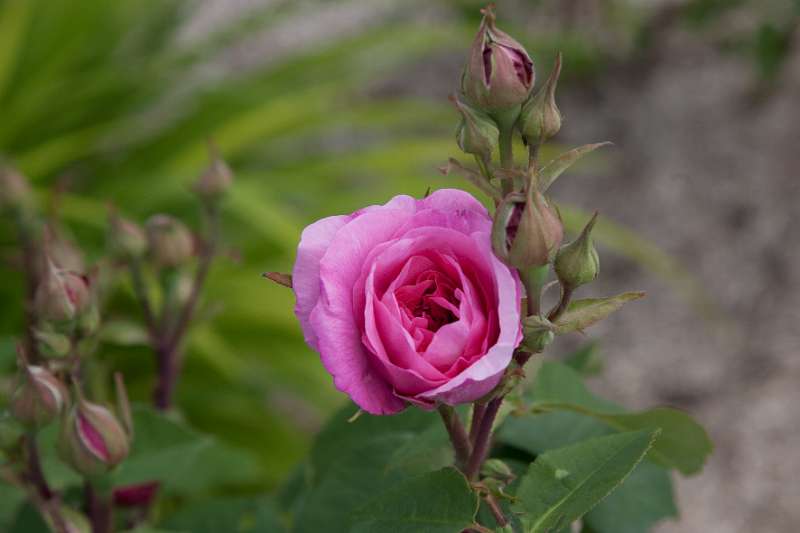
x: 711, y: 174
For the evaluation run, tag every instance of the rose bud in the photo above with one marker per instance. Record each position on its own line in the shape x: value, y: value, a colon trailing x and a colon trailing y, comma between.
x: 216, y: 179
x: 62, y: 295
x: 499, y: 72
x: 526, y: 233
x: 540, y: 118
x: 577, y: 263
x: 14, y: 189
x: 39, y: 398
x: 477, y: 133
x: 92, y: 441
x: 126, y: 239
x: 170, y: 242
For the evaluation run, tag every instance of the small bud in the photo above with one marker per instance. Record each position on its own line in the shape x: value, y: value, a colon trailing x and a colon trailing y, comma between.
x: 62, y: 295
x: 39, y: 398
x: 477, y: 133
x: 526, y: 232
x: 499, y: 72
x: 497, y: 469
x: 540, y: 118
x: 51, y: 343
x: 14, y: 189
x: 577, y: 263
x: 126, y: 239
x: 170, y: 241
x: 92, y: 441
x: 537, y: 333
x: 216, y: 179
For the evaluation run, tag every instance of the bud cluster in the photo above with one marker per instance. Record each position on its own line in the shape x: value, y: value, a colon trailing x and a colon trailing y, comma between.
x: 63, y: 320
x: 497, y: 101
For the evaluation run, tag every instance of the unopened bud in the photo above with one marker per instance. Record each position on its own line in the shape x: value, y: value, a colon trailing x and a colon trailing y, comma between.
x: 526, y: 231
x: 499, y: 72
x: 497, y: 469
x: 540, y: 118
x: 62, y: 295
x: 216, y: 179
x: 477, y: 133
x: 126, y: 239
x: 14, y: 189
x: 39, y: 398
x: 92, y: 441
x: 577, y: 263
x: 170, y: 241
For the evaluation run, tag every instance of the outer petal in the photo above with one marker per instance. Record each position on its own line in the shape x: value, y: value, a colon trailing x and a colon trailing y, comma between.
x: 485, y: 373
x: 314, y: 243
x: 333, y: 320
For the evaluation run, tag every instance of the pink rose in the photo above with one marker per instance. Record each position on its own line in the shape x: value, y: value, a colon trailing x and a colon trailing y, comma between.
x: 405, y: 302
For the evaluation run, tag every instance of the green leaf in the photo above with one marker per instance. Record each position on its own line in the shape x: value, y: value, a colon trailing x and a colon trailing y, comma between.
x: 683, y: 443
x: 564, y: 484
x: 583, y: 313
x: 183, y: 460
x: 643, y: 500
x: 353, y: 462
x: 234, y: 515
x: 437, y: 502
x: 550, y: 172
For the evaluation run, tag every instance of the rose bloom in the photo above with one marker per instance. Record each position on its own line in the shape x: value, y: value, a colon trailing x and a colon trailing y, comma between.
x: 405, y: 302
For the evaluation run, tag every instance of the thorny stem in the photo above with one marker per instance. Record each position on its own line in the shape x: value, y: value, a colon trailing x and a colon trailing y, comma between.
x: 563, y: 302
x: 533, y: 280
x: 169, y: 345
x: 458, y: 435
x: 482, y: 439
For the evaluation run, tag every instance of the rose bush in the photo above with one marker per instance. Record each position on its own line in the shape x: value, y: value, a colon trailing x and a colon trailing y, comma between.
x: 405, y: 302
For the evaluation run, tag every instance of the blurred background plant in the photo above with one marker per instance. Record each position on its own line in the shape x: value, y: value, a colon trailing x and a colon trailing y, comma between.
x: 320, y: 107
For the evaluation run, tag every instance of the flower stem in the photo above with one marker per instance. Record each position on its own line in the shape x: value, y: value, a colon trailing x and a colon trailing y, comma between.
x: 563, y: 302
x: 99, y: 509
x: 533, y: 280
x: 458, y: 436
x: 478, y: 410
x: 45, y: 499
x: 168, y: 347
x: 482, y: 439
